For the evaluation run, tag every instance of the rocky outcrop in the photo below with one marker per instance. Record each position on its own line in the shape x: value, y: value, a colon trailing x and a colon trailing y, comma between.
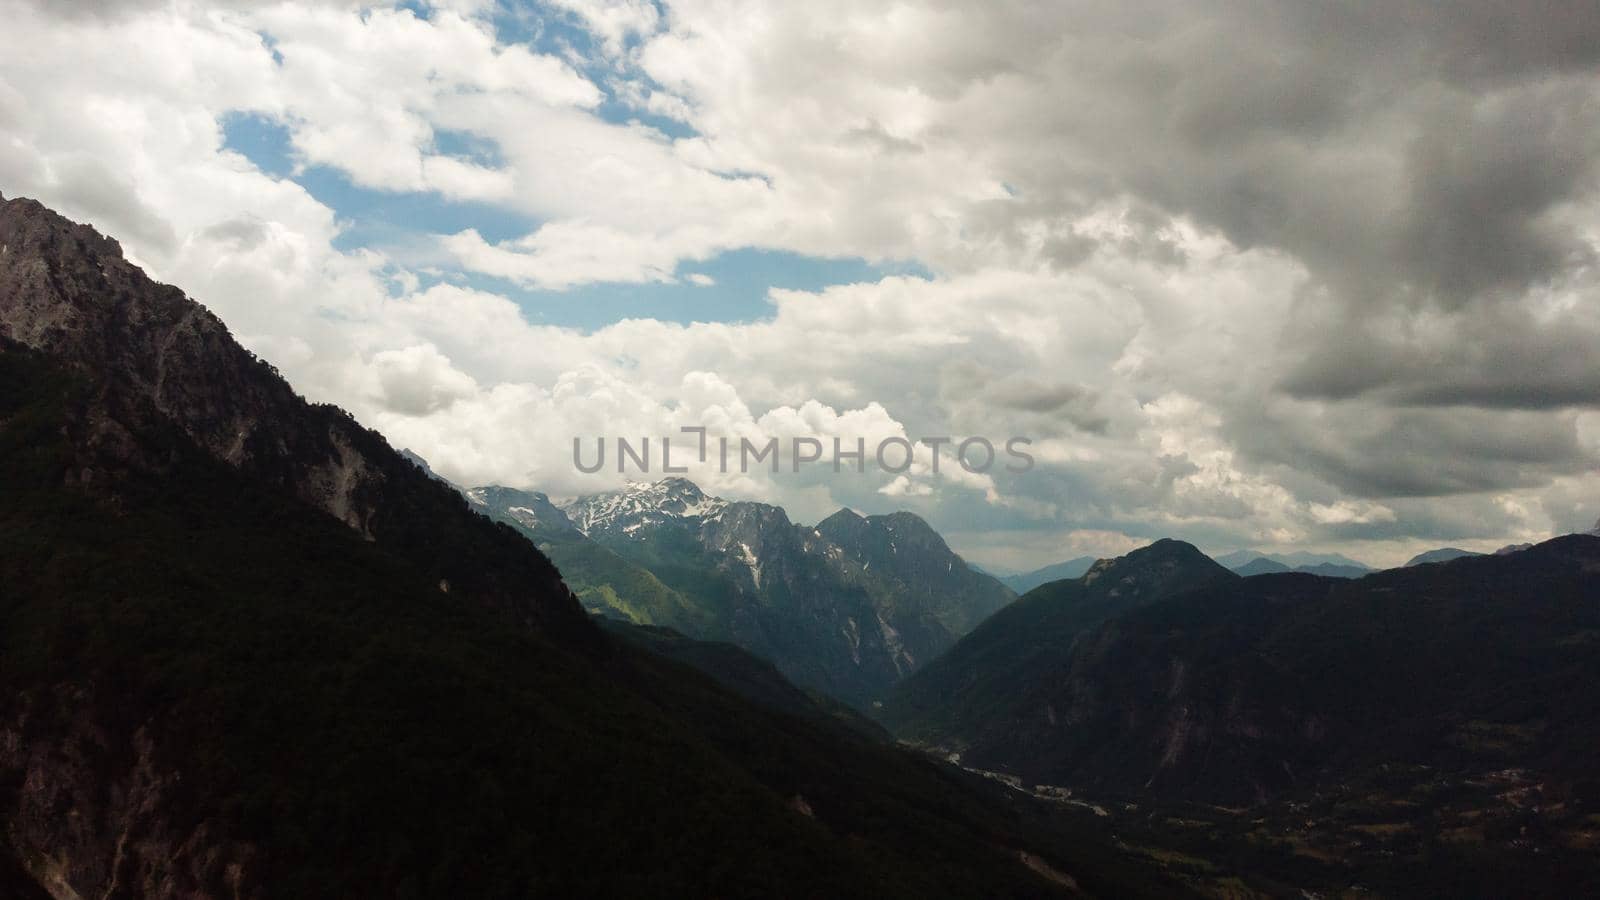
x: 96, y: 813
x: 159, y: 360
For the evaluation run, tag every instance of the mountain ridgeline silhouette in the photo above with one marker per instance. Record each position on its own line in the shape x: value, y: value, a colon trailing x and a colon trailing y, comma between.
x: 1160, y: 674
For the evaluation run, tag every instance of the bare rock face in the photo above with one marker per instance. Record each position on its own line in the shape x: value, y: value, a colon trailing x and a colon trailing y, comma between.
x: 67, y: 291
x: 94, y: 813
x: 160, y: 360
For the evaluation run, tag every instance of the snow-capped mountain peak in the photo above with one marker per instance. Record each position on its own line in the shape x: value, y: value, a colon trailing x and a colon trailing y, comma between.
x: 641, y: 504
x: 530, y: 509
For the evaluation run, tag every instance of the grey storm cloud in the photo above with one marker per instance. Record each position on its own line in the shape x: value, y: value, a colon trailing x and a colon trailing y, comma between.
x: 1408, y: 346
x: 1378, y: 453
x: 1414, y: 155
x: 1433, y: 166
x: 1039, y: 401
x: 1381, y: 162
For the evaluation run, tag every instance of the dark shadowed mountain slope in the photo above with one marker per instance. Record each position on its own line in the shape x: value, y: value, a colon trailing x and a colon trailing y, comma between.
x: 1246, y: 689
x: 1443, y: 554
x: 744, y: 674
x: 160, y: 360
x: 981, y: 684
x: 210, y: 686
x: 915, y: 563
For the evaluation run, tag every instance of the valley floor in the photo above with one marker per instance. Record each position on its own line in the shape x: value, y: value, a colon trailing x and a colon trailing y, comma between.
x: 1400, y: 832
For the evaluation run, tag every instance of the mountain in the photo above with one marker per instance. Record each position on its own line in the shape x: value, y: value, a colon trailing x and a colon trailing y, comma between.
x: 1295, y: 560
x: 166, y: 363
x: 848, y: 607
x: 1027, y: 581
x: 641, y: 506
x: 249, y: 650
x: 603, y: 581
x: 1261, y: 566
x: 1422, y: 731
x: 1334, y: 570
x: 530, y: 510
x: 1443, y: 554
x: 1229, y: 690
x: 412, y: 457
x: 1332, y: 565
x: 745, y: 674
x: 1268, y: 566
x: 914, y: 560
x: 1242, y: 690
x: 971, y: 694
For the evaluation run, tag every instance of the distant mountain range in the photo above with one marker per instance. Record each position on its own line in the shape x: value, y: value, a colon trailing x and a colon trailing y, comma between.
x: 1163, y: 674
x: 848, y: 607
x: 1292, y: 560
x: 1027, y: 581
x: 1426, y: 730
x: 1332, y: 565
x: 1443, y: 554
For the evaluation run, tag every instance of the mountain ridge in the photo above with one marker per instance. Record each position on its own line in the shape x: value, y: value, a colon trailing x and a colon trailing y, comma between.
x: 67, y: 291
x: 848, y: 606
x: 970, y: 691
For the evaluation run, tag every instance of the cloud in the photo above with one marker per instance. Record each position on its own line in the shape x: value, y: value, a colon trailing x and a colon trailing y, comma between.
x: 419, y: 381
x: 1320, y: 274
x: 615, y: 22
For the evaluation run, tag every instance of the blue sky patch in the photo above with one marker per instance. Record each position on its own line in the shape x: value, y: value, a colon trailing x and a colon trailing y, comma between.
x: 742, y: 277
x: 404, y: 224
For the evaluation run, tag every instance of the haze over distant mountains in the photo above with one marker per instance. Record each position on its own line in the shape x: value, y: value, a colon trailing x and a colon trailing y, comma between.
x: 1027, y: 581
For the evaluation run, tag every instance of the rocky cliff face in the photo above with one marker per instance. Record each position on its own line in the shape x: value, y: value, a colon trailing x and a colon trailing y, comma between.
x: 530, y: 509
x: 905, y: 551
x: 95, y: 810
x: 160, y: 360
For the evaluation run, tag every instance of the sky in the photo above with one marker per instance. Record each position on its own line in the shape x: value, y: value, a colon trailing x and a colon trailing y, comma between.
x: 1269, y: 275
